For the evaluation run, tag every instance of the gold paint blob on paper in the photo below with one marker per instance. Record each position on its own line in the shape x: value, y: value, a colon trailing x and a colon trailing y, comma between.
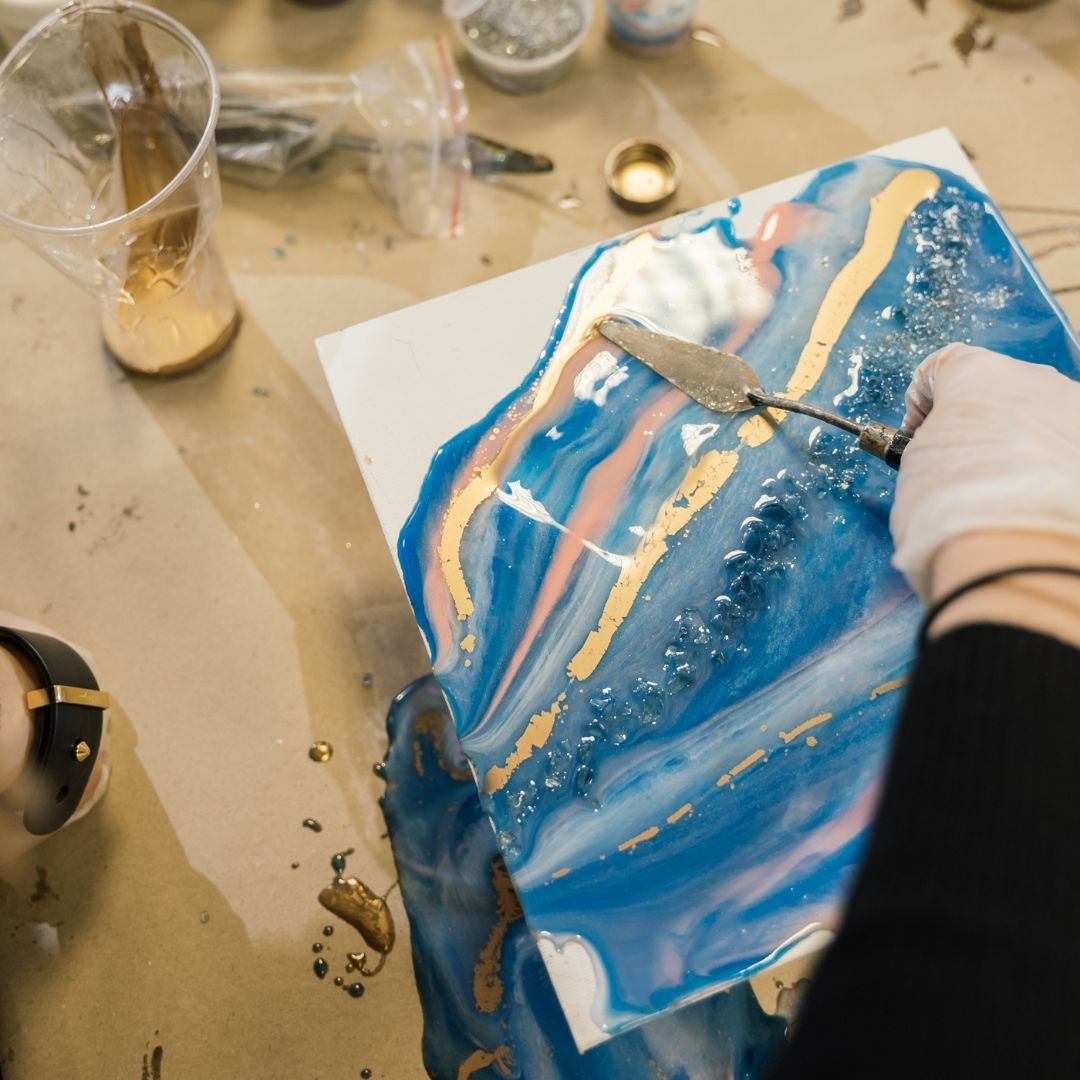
x: 320, y: 751
x: 468, y: 643
x: 560, y: 873
x: 487, y: 980
x: 679, y: 814
x: 366, y: 912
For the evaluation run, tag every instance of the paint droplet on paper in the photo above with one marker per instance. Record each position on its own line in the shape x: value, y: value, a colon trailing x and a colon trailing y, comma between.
x: 312, y: 824
x: 320, y: 751
x: 328, y: 931
x: 356, y: 990
x: 367, y: 679
x: 321, y: 967
x: 338, y: 980
x: 204, y: 917
x: 317, y: 947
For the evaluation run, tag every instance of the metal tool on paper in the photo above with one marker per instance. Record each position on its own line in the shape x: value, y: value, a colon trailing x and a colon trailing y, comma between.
x: 247, y: 137
x: 725, y: 383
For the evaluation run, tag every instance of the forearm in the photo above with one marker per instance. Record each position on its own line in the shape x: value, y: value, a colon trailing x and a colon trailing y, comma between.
x: 1046, y: 603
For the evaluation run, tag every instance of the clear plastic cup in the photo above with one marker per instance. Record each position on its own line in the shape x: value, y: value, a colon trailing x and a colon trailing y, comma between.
x: 108, y: 169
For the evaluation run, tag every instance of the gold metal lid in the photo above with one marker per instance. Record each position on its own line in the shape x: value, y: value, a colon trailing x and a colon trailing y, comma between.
x: 642, y: 174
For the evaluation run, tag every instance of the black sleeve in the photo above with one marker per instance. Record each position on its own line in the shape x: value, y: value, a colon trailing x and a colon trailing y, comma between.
x: 959, y: 953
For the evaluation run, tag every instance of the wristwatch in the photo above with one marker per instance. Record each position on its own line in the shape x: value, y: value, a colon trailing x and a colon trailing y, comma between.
x: 69, y: 712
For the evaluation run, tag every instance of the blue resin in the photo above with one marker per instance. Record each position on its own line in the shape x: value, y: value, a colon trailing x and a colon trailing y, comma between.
x: 776, y: 605
x: 444, y: 848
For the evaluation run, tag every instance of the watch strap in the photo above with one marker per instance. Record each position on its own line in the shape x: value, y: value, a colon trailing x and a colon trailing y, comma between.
x: 68, y: 710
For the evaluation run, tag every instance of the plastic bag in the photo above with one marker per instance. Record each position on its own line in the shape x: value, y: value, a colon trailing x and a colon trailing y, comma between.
x: 405, y: 113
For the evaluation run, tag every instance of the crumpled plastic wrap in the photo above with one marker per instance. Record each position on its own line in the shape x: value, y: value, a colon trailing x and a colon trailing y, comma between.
x: 404, y: 113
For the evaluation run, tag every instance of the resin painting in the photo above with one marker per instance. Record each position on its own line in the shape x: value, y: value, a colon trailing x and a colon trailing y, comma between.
x: 671, y: 642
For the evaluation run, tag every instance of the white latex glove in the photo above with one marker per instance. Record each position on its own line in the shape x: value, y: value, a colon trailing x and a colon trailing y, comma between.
x: 996, y: 447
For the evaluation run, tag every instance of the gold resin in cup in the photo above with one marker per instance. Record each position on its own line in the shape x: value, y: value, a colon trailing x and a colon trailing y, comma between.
x: 107, y: 117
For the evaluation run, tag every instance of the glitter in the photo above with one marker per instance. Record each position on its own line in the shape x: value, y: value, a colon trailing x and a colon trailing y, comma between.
x: 525, y: 31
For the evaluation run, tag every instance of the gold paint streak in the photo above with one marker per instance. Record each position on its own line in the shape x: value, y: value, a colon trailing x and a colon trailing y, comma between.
x: 887, y: 687
x: 811, y: 741
x: 725, y: 779
x: 501, y: 1057
x: 747, y: 761
x: 641, y: 837
x: 468, y: 643
x: 537, y: 732
x: 464, y: 503
x: 487, y: 980
x: 806, y: 725
x: 889, y: 210
x: 560, y: 873
x: 430, y: 724
x: 680, y: 813
x: 697, y: 488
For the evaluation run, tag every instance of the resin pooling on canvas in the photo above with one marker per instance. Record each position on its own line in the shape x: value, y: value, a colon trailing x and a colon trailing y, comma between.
x: 670, y: 639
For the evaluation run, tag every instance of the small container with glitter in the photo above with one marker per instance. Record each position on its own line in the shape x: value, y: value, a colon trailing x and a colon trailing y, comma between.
x: 521, y: 45
x: 649, y: 27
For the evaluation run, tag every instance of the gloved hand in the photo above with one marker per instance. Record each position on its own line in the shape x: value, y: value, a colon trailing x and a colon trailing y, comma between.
x: 996, y: 447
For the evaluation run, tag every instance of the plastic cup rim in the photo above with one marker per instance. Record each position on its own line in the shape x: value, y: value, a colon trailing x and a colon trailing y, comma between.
x: 17, y: 56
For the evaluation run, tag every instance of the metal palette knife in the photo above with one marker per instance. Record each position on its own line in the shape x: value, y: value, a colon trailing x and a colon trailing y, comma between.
x: 725, y: 383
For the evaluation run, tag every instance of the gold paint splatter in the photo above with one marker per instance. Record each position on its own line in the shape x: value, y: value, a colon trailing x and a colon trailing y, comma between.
x: 468, y: 643
x: 561, y: 872
x: 320, y: 751
x: 725, y: 779
x: 487, y: 981
x: 887, y: 687
x: 365, y: 911
x: 811, y: 741
x: 806, y: 725
x: 747, y: 761
x: 648, y: 834
x: 889, y: 210
x: 680, y: 813
x: 697, y: 488
x: 537, y: 732
x: 501, y: 1057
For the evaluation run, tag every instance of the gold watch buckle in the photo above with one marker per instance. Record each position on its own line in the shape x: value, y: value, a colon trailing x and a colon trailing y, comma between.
x: 67, y: 695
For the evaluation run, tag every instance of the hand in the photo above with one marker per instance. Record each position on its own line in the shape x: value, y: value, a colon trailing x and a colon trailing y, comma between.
x: 996, y: 447
x: 16, y: 730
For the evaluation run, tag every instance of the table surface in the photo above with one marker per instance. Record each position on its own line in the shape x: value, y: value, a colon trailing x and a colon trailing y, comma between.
x: 225, y: 567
